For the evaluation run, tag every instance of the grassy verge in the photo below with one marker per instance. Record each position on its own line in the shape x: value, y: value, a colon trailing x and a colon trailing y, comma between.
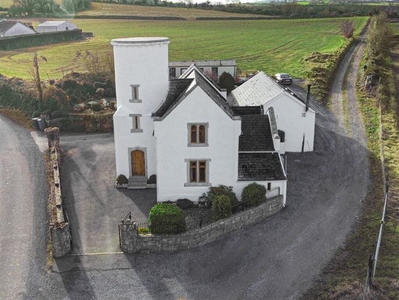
x: 345, y: 276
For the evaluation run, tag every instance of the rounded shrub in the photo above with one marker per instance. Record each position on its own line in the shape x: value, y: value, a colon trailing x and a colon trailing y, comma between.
x: 253, y: 194
x: 221, y: 207
x: 166, y: 219
x: 121, y: 179
x: 215, y: 191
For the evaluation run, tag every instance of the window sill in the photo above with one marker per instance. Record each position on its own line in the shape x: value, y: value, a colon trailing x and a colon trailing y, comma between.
x: 194, y: 184
x: 198, y: 145
x: 136, y: 130
x: 135, y: 101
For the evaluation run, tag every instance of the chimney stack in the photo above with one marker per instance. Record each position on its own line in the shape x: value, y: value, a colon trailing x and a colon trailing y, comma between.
x: 307, y: 98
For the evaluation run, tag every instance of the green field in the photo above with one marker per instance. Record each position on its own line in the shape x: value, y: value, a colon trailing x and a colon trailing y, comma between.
x: 269, y: 45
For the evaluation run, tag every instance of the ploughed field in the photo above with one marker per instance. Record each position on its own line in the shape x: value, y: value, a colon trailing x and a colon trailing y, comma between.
x: 272, y: 46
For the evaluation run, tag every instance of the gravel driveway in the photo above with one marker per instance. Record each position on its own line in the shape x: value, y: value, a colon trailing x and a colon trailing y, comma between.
x: 275, y: 259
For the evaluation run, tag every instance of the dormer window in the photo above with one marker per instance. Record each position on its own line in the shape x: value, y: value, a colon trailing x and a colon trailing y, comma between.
x: 198, y: 135
x: 135, y: 94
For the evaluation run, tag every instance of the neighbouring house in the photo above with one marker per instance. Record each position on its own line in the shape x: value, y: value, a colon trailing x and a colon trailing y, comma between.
x: 51, y: 26
x: 295, y: 118
x: 211, y: 68
x: 184, y: 132
x: 14, y: 28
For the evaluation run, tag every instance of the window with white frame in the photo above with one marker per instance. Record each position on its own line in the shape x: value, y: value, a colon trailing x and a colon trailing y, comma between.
x: 135, y: 93
x: 198, y: 134
x: 135, y: 123
x: 198, y: 172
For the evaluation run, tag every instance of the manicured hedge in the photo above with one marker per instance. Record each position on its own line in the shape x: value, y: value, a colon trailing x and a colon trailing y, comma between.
x: 166, y: 219
x: 221, y: 208
x: 253, y: 194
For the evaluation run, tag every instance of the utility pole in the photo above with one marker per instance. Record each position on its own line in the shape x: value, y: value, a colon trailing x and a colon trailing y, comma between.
x: 37, y: 81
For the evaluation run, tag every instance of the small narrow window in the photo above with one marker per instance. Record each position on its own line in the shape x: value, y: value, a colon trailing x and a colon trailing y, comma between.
x: 202, y: 171
x: 136, y: 123
x: 135, y: 93
x: 215, y: 71
x: 193, y: 171
x: 172, y: 72
x: 198, y: 135
x: 269, y: 186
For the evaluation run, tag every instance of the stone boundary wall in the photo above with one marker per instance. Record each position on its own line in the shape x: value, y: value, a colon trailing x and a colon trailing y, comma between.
x: 131, y: 242
x: 59, y: 225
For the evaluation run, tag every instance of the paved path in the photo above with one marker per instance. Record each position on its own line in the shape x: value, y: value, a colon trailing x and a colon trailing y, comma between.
x: 23, y: 218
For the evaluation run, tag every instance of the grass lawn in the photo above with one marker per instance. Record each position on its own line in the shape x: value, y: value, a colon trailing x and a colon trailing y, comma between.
x: 5, y: 3
x: 269, y: 45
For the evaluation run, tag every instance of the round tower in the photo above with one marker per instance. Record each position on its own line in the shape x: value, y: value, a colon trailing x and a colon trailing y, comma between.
x: 142, y: 83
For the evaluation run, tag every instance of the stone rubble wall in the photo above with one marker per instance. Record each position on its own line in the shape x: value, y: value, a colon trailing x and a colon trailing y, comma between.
x: 60, y: 230
x: 131, y: 242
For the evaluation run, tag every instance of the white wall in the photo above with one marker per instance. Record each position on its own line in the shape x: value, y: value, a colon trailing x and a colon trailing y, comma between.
x: 172, y: 147
x: 19, y: 29
x: 142, y: 61
x: 291, y: 118
x: 282, y: 184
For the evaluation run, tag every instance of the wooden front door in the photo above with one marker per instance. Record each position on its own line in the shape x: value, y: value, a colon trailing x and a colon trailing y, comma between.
x: 138, y: 163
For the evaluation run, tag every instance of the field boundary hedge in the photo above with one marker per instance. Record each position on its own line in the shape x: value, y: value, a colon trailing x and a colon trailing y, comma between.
x: 39, y: 39
x: 125, y: 17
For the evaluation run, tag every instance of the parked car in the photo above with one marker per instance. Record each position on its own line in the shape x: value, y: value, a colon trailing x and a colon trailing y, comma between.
x: 283, y: 78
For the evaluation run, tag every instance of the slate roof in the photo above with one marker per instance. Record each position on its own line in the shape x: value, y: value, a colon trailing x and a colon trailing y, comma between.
x: 260, y: 166
x: 178, y: 91
x: 176, y: 88
x: 202, y: 63
x: 259, y: 90
x: 256, y: 134
x: 6, y: 25
x: 246, y: 110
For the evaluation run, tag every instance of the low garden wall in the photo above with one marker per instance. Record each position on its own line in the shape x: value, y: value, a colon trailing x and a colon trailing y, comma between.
x: 131, y: 242
x: 60, y: 231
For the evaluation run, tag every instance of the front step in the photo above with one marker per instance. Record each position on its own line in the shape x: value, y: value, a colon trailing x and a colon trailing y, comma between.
x: 137, y: 183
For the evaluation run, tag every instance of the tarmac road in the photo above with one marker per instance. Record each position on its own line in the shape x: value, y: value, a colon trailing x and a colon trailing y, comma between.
x: 23, y: 218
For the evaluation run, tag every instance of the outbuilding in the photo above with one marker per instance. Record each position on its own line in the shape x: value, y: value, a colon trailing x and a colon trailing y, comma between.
x: 14, y: 28
x: 53, y: 26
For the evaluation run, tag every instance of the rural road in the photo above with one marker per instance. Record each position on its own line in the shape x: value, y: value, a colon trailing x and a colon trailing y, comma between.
x: 275, y: 259
x: 23, y: 217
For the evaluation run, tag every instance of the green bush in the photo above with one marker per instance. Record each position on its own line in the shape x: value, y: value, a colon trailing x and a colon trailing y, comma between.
x: 215, y: 191
x: 121, y: 179
x: 253, y: 194
x: 143, y: 230
x: 96, y: 107
x: 166, y: 219
x: 221, y: 207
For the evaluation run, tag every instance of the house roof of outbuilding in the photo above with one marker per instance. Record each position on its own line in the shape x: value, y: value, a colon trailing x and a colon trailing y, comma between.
x: 6, y: 25
x: 247, y: 110
x: 260, y: 90
x: 52, y: 23
x: 179, y: 90
x: 260, y: 167
x: 255, y: 134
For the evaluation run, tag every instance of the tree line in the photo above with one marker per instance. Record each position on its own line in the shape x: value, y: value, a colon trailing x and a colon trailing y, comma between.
x: 46, y: 7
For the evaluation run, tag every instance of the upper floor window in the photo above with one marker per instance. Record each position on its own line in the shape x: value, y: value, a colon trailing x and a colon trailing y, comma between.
x: 198, y: 134
x: 135, y: 93
x: 135, y: 123
x: 215, y: 71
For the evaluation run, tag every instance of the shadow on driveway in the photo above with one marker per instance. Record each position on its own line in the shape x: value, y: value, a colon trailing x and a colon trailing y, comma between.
x: 93, y: 204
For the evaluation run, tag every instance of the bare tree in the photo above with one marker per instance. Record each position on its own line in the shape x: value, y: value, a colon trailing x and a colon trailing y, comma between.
x: 347, y: 28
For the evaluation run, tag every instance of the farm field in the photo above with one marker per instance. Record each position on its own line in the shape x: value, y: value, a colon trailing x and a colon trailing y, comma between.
x: 268, y: 45
x: 5, y: 3
x: 107, y: 9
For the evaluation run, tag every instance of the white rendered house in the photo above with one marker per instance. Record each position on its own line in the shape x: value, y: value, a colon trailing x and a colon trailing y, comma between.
x: 295, y: 119
x: 184, y: 131
x: 14, y: 28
